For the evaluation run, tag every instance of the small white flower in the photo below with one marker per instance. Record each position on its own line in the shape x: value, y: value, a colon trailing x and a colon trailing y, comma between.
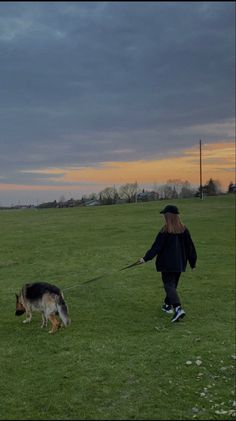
x: 221, y: 412
x: 188, y: 362
x: 198, y: 362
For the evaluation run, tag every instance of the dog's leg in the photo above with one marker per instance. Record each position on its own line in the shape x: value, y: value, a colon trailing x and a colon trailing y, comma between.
x: 55, y: 323
x: 44, y: 321
x: 28, y: 317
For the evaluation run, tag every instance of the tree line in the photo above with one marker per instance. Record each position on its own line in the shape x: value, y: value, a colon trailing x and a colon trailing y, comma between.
x: 131, y: 192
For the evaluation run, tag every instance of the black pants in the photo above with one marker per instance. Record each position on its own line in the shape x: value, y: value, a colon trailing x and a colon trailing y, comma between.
x: 170, y: 281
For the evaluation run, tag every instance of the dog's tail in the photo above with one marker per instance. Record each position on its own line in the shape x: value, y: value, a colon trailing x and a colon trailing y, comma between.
x: 63, y: 310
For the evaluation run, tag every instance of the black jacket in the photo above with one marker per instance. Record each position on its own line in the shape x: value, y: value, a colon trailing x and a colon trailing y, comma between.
x: 173, y: 251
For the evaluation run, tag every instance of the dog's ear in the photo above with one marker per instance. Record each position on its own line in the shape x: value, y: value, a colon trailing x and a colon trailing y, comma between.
x: 17, y: 298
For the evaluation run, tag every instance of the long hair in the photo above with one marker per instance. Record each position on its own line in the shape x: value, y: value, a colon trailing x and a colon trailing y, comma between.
x: 173, y: 224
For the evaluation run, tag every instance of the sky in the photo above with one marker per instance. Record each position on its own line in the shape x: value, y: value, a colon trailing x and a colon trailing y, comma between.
x: 97, y: 94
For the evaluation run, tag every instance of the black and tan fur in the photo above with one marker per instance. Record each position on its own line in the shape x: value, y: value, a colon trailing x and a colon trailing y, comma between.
x: 46, y: 299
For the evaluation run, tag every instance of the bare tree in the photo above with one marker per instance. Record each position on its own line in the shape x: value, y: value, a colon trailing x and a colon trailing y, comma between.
x: 212, y: 187
x: 230, y: 187
x: 175, y: 188
x: 176, y: 185
x: 92, y: 196
x: 62, y: 199
x: 161, y: 191
x: 129, y: 192
x: 108, y: 196
x: 156, y: 187
x: 167, y: 191
x: 187, y: 190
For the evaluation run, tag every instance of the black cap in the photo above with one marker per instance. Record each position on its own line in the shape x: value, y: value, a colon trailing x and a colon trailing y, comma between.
x: 170, y: 209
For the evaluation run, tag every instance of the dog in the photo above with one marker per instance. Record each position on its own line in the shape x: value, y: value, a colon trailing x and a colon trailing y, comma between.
x: 44, y: 298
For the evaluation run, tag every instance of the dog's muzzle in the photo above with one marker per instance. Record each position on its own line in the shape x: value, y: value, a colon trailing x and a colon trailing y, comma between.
x: 19, y: 312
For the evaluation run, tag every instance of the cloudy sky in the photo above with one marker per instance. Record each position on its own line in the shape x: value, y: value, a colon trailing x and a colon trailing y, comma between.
x: 101, y: 93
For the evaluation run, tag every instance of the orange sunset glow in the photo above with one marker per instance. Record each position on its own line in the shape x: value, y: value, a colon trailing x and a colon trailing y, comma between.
x: 218, y: 163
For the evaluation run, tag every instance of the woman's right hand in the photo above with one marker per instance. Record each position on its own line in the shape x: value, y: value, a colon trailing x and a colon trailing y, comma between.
x: 141, y: 260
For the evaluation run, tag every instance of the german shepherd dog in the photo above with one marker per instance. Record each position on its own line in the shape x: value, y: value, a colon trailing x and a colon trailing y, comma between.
x: 46, y: 299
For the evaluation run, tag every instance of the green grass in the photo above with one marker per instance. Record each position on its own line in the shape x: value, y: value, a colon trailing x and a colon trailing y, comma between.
x: 121, y: 358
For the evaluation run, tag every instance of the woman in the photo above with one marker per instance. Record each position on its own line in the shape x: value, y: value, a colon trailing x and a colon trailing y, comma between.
x: 173, y: 247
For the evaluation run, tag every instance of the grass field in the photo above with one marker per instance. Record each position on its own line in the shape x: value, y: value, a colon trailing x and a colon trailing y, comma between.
x: 121, y: 358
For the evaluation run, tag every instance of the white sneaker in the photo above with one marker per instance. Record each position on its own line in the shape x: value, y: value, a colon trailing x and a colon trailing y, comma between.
x: 167, y: 308
x: 179, y: 314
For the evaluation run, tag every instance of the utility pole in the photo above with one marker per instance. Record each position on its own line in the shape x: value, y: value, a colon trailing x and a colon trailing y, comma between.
x: 201, y: 189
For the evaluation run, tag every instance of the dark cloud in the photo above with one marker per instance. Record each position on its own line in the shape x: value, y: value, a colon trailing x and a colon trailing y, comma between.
x: 83, y: 80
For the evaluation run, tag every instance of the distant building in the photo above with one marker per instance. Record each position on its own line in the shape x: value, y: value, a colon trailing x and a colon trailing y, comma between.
x: 93, y: 202
x: 146, y: 196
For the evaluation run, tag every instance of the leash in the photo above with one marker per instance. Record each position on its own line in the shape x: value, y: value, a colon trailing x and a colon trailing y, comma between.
x: 133, y: 264
x: 101, y: 276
